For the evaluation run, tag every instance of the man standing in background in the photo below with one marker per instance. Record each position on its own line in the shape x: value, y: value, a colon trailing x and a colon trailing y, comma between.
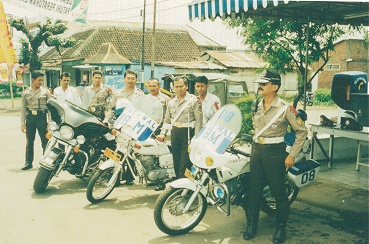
x: 66, y: 92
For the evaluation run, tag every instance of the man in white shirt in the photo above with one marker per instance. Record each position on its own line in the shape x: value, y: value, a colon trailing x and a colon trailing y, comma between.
x: 209, y: 103
x: 66, y: 92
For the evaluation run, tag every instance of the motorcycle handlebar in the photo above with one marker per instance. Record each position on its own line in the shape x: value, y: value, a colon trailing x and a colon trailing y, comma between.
x: 234, y: 150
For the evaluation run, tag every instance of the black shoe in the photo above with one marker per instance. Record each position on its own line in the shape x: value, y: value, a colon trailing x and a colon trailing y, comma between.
x: 27, y: 166
x: 160, y: 187
x: 280, y: 234
x: 250, y: 231
x: 129, y: 183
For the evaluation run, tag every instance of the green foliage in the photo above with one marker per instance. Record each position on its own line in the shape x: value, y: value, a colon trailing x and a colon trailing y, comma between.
x: 245, y: 105
x: 322, y: 96
x: 48, y: 34
x: 5, y: 90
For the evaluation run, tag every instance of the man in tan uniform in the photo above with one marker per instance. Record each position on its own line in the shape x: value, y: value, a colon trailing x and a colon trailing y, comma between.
x: 34, y: 115
x: 96, y: 96
x: 185, y: 117
x: 269, y: 158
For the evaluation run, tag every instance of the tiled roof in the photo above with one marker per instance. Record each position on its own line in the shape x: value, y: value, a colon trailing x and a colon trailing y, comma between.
x: 107, y: 54
x: 171, y: 45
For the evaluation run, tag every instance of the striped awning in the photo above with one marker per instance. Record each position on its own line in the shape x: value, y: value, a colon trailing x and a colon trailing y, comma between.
x: 328, y: 12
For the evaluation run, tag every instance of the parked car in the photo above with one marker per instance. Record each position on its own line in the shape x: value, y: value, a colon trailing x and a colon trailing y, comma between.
x: 226, y: 87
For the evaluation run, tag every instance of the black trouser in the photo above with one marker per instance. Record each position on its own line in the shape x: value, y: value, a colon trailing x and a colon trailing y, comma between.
x: 179, y: 141
x: 267, y: 168
x: 34, y: 122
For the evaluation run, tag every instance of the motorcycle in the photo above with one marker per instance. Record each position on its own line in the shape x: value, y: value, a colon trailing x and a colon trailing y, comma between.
x: 76, y: 142
x: 151, y: 160
x: 309, y: 99
x: 220, y: 176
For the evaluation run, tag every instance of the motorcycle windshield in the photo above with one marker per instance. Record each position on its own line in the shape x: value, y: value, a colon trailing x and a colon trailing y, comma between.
x: 219, y: 132
x: 143, y: 116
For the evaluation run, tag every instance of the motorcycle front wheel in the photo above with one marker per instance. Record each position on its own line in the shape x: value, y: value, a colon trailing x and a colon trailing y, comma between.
x: 269, y: 204
x: 98, y: 189
x: 42, y: 179
x: 168, y: 211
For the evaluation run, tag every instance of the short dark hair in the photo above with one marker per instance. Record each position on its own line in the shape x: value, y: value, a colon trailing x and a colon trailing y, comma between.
x: 97, y: 72
x: 155, y: 79
x: 181, y: 77
x: 130, y: 71
x: 37, y: 73
x: 64, y: 74
x: 202, y: 79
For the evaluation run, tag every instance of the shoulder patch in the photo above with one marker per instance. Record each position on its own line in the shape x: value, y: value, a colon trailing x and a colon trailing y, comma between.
x: 293, y: 110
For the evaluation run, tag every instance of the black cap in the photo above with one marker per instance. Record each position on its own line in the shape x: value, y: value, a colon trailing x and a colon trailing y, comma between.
x: 269, y: 76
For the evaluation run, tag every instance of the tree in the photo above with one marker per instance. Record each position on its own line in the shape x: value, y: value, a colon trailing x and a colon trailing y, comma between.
x: 282, y: 44
x: 47, y: 33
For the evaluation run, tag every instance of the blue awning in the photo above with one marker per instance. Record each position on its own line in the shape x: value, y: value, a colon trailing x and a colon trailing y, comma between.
x: 326, y: 12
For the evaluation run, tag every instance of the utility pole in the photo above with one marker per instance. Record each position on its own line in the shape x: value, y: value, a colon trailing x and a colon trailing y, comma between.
x: 153, y: 42
x: 143, y: 48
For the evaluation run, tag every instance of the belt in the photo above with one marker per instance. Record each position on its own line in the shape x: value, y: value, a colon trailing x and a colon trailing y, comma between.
x: 184, y: 125
x: 269, y: 140
x: 35, y: 112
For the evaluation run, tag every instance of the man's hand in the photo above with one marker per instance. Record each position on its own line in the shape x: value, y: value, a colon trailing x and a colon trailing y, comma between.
x: 23, y: 128
x: 160, y: 138
x: 289, y: 162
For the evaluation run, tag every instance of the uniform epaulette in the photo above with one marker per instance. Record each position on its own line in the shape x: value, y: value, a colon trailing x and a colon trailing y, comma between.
x: 293, y: 110
x: 138, y: 89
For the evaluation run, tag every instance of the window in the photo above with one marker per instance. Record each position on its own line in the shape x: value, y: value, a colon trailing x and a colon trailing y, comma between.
x: 329, y: 67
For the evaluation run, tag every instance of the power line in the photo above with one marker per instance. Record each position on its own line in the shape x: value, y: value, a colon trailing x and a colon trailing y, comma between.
x: 138, y: 7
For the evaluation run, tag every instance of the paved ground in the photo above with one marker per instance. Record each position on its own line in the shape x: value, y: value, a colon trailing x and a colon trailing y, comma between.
x: 326, y: 211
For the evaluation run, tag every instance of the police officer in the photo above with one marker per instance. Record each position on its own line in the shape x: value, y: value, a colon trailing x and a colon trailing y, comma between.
x: 96, y: 96
x: 129, y: 92
x: 269, y: 159
x: 34, y: 115
x: 185, y: 119
x: 209, y: 103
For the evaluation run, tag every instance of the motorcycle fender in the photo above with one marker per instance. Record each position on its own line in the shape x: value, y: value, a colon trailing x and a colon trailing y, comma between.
x: 110, y: 163
x: 187, y: 184
x: 48, y: 162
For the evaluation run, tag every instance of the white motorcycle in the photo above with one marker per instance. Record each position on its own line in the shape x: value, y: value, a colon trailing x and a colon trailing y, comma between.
x: 220, y: 176
x: 149, y: 161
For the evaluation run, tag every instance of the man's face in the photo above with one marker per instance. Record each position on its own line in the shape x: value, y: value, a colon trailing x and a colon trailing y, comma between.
x: 130, y: 80
x: 180, y: 87
x: 37, y: 82
x: 154, y: 87
x: 64, y: 82
x: 96, y: 79
x: 201, y: 88
x: 266, y: 89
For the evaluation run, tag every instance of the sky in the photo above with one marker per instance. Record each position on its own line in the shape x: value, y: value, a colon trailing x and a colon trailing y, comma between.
x: 168, y: 12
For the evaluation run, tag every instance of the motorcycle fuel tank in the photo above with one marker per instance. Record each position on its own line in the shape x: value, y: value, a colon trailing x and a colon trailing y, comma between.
x: 235, y: 167
x: 152, y: 147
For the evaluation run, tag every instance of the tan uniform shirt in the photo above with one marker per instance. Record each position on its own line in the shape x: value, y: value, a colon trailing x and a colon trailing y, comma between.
x: 279, y: 127
x: 33, y: 101
x: 102, y: 95
x: 189, y: 114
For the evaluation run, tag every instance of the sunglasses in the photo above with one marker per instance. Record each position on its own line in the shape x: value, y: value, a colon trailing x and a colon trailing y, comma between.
x: 264, y: 84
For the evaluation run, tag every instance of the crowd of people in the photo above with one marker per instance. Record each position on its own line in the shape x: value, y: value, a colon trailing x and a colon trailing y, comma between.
x: 185, y: 114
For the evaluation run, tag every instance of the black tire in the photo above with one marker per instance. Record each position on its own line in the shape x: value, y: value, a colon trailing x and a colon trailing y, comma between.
x: 42, y: 179
x: 97, y: 189
x: 168, y: 214
x: 269, y: 204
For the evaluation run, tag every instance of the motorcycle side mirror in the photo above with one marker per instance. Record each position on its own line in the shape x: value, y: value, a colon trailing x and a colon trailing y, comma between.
x: 246, y: 138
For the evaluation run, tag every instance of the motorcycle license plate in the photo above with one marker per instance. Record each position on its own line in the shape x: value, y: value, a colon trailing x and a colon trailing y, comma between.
x: 189, y: 175
x: 112, y: 155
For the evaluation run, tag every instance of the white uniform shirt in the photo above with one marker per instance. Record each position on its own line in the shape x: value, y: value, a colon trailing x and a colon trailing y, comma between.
x: 210, y: 105
x: 71, y: 94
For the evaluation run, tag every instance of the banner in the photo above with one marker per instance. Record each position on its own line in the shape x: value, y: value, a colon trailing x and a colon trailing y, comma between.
x: 68, y: 10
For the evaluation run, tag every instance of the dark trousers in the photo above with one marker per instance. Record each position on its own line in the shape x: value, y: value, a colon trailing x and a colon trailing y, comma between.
x: 179, y: 141
x: 267, y: 168
x: 34, y: 122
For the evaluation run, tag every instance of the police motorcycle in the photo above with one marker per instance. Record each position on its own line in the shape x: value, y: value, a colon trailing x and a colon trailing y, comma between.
x: 152, y: 161
x: 220, y: 176
x: 76, y: 142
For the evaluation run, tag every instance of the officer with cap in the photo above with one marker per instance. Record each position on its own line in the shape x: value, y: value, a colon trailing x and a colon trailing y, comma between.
x: 34, y: 115
x: 269, y: 158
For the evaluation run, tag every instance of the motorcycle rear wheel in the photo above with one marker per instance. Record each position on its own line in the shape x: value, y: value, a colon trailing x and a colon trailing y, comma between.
x: 42, y: 179
x: 97, y: 189
x: 168, y: 214
x: 269, y: 205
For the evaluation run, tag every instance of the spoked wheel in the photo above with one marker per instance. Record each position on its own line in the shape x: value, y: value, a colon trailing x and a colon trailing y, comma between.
x: 269, y: 205
x: 168, y: 212
x: 98, y: 188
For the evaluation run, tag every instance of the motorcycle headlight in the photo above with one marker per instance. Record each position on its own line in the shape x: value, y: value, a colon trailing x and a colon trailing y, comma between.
x: 122, y: 139
x: 66, y: 132
x: 53, y: 126
x: 81, y: 139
